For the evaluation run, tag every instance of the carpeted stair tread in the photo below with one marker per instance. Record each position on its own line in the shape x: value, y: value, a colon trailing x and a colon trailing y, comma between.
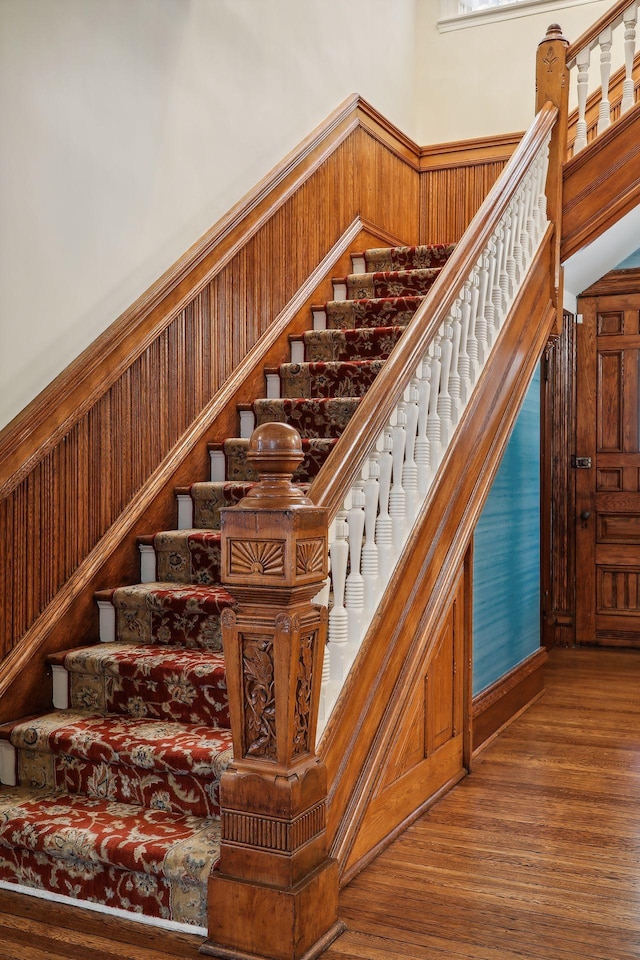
x: 187, y: 556
x: 421, y: 256
x: 332, y: 379
x: 312, y: 418
x: 163, y: 683
x: 209, y: 498
x: 315, y: 451
x: 170, y: 612
x: 370, y: 312
x: 136, y: 742
x: 390, y: 283
x: 116, y: 854
x: 158, y: 764
x: 351, y: 345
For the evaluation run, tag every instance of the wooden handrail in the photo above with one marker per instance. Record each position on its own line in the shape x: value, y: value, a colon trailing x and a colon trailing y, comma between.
x: 345, y: 462
x: 590, y: 36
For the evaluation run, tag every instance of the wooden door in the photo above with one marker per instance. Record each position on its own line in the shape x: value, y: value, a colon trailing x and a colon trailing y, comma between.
x: 608, y: 489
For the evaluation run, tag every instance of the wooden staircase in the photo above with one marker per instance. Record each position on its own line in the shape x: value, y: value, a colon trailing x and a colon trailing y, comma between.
x: 426, y: 435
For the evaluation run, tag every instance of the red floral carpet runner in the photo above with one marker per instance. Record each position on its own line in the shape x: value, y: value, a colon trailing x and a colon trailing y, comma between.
x: 116, y: 797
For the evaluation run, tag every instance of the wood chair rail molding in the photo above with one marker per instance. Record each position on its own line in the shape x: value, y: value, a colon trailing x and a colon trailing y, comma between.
x: 360, y: 733
x: 170, y: 370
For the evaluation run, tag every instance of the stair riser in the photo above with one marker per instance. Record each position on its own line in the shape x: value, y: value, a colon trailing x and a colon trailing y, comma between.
x: 407, y: 258
x: 155, y: 790
x: 238, y: 469
x: 418, y: 283
x: 345, y: 346
x: 187, y: 559
x: 171, y: 700
x: 195, y: 631
x: 179, y: 901
x: 321, y: 419
x: 319, y: 380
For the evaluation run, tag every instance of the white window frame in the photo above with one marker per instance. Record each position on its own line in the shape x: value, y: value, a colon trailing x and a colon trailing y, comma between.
x: 452, y: 19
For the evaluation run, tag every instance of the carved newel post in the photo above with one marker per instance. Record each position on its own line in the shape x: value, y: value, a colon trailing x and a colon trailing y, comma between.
x: 275, y: 894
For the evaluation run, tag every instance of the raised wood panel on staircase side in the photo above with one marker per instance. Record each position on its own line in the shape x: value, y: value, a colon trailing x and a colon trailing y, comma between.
x: 41, y: 513
x: 601, y: 184
x: 359, y: 736
x: 427, y: 752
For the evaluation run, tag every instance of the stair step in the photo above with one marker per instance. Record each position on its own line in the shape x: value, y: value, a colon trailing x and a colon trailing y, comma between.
x: 185, y: 556
x: 330, y: 379
x: 312, y: 417
x: 161, y: 683
x: 371, y: 312
x: 238, y: 469
x: 390, y: 283
x: 158, y: 764
x: 115, y: 854
x: 209, y: 498
x: 183, y: 615
x: 351, y: 345
x: 407, y: 258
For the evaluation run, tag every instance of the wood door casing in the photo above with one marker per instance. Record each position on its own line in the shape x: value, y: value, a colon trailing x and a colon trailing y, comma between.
x: 608, y: 493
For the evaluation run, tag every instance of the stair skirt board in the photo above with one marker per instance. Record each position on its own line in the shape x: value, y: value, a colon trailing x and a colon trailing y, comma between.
x: 113, y: 796
x: 59, y: 898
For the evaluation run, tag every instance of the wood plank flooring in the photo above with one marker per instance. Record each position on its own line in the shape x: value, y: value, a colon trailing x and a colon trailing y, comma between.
x: 536, y: 856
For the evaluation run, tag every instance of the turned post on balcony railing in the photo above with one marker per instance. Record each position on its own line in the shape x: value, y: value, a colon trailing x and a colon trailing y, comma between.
x: 275, y: 893
x: 552, y: 84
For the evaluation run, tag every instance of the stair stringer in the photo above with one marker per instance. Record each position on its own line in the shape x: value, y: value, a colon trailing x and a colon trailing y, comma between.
x: 601, y: 184
x: 360, y: 740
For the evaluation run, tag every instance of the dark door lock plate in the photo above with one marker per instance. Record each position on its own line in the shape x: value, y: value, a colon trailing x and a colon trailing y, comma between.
x: 581, y: 463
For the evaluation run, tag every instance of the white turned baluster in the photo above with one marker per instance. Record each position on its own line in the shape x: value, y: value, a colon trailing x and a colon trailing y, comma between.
x: 464, y: 361
x: 370, y: 566
x: 473, y: 348
x: 423, y: 460
x: 490, y: 310
x: 433, y: 418
x: 410, y: 469
x: 504, y: 280
x: 455, y: 381
x: 514, y: 252
x: 445, y: 405
x: 498, y: 296
x: 481, y: 316
x: 338, y: 618
x: 629, y: 18
x: 529, y: 231
x: 604, y: 113
x: 540, y: 210
x: 582, y: 63
x: 354, y: 595
x: 384, y: 528
x: 397, y: 496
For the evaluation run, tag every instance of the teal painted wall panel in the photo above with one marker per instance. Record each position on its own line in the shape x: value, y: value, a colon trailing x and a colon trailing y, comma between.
x: 506, y: 559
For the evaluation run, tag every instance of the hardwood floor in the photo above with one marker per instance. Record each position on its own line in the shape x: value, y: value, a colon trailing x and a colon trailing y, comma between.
x: 536, y: 856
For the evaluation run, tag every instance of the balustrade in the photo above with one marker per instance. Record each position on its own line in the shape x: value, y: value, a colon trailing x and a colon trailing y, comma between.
x: 613, y: 36
x: 379, y: 511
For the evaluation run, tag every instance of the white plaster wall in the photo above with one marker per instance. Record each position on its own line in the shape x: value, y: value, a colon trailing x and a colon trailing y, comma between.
x: 480, y: 81
x: 130, y: 126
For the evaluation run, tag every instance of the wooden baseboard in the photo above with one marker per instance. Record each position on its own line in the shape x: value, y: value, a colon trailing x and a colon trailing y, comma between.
x: 500, y: 703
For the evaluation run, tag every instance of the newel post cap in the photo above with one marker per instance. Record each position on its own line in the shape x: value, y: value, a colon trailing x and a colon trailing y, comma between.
x: 554, y: 32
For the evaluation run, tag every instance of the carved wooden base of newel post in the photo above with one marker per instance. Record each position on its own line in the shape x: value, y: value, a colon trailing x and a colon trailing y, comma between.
x: 275, y: 894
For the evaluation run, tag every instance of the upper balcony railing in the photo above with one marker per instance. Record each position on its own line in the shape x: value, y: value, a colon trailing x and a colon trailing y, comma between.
x: 603, y: 96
